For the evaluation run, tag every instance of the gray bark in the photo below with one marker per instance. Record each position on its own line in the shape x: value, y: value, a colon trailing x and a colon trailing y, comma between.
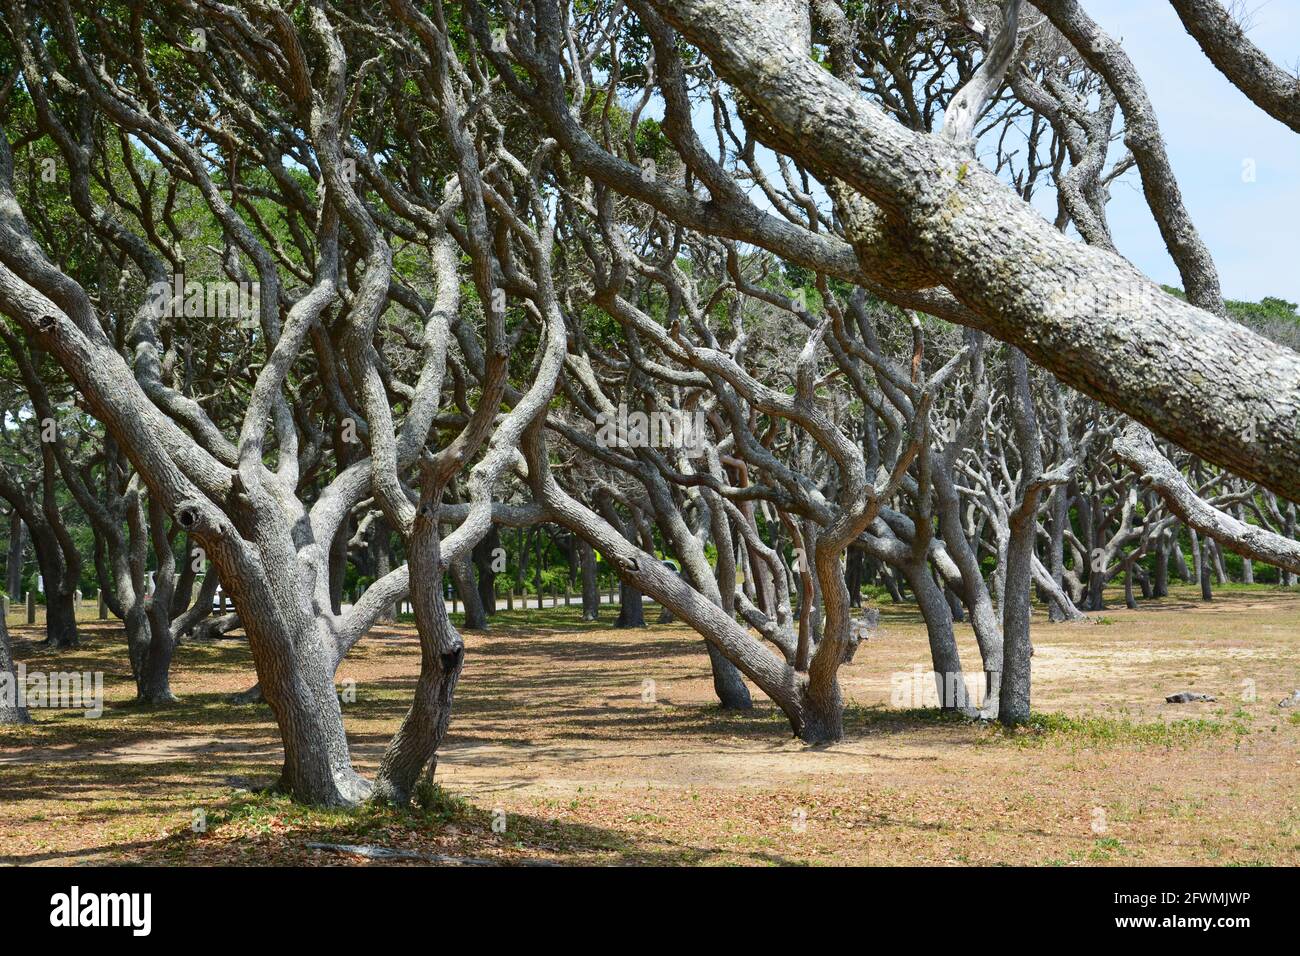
x: 10, y: 712
x: 484, y: 555
x: 1071, y: 308
x: 1138, y: 450
x: 590, y: 589
x: 1142, y: 137
x: 16, y: 556
x: 462, y: 576
x: 1273, y: 89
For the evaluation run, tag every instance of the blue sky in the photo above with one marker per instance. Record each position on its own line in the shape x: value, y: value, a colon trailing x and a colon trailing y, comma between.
x: 1252, y: 228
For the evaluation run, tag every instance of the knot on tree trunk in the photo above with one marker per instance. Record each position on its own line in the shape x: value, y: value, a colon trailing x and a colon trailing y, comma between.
x: 451, y: 659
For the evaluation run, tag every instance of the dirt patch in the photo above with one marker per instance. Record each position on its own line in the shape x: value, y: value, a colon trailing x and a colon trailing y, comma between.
x: 559, y: 738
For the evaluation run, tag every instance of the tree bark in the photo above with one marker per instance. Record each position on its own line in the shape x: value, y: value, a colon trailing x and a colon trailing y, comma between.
x: 590, y: 584
x: 631, y: 607
x: 1271, y: 88
x: 1160, y: 587
x: 949, y: 676
x: 1138, y: 451
x: 1207, y: 589
x: 1014, y: 705
x: 442, y: 655
x: 1070, y: 307
x: 10, y: 712
x: 61, y: 618
x: 16, y: 557
x: 462, y: 575
x: 484, y: 556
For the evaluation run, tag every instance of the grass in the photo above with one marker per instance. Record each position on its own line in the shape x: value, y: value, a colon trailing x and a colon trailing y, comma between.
x: 1099, y: 730
x: 1054, y: 728
x: 553, y: 755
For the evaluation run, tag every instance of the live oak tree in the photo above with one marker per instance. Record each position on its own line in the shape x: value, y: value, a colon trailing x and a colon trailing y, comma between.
x: 460, y: 246
x: 242, y: 497
x: 969, y: 249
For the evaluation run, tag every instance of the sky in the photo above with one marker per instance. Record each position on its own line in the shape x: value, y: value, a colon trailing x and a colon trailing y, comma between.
x: 1211, y: 131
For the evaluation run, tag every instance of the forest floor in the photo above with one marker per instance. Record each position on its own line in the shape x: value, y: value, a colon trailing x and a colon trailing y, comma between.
x: 559, y: 739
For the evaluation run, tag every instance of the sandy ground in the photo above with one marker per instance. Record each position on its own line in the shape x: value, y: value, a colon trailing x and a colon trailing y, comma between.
x: 600, y: 745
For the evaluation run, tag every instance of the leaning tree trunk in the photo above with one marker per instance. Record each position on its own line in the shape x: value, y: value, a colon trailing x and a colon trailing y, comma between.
x: 442, y: 655
x: 17, y: 553
x: 296, y: 678
x: 10, y: 712
x: 948, y: 674
x: 211, y: 628
x: 890, y: 583
x: 728, y: 683
x: 955, y: 607
x: 1216, y: 553
x: 293, y: 650
x: 1060, y: 605
x: 462, y: 576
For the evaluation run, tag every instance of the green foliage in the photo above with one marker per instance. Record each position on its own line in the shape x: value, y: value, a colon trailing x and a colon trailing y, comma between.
x: 1117, y: 731
x: 1267, y: 309
x: 437, y: 804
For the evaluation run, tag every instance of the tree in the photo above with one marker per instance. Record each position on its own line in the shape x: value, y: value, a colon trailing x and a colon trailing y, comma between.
x: 969, y: 250
x: 344, y: 294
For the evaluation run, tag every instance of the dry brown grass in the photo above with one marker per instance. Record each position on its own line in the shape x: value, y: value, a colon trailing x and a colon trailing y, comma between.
x: 552, y: 731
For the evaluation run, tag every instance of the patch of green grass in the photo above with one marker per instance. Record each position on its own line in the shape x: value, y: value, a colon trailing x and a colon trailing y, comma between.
x: 527, y: 616
x: 251, y: 819
x: 437, y: 804
x: 1256, y: 587
x: 645, y: 818
x: 265, y: 812
x: 1044, y: 728
x: 1104, y: 848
